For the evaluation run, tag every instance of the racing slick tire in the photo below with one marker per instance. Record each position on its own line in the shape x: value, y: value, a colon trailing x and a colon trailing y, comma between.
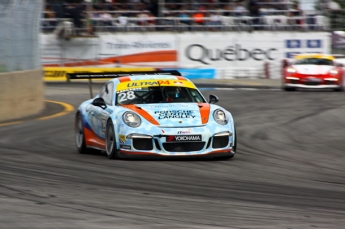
x: 289, y: 88
x: 80, y: 136
x: 340, y: 88
x: 110, y: 141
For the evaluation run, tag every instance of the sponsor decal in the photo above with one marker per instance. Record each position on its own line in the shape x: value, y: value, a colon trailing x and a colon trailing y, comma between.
x: 175, y: 114
x: 148, y: 83
x: 138, y: 45
x: 202, y: 54
x: 183, y: 138
x: 129, y: 89
x: 167, y: 106
x: 122, y: 138
x: 125, y: 146
x: 178, y: 83
x: 188, y: 131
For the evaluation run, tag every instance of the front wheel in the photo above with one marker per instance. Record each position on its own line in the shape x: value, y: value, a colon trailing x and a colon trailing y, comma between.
x: 340, y: 88
x: 110, y: 141
x: 289, y: 88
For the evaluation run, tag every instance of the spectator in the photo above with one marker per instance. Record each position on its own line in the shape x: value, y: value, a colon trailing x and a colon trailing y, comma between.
x: 198, y: 17
x: 227, y: 11
x: 154, y: 8
x: 74, y: 12
x: 50, y: 22
x: 296, y: 15
x: 239, y: 9
x: 254, y: 11
x: 184, y: 15
x: 106, y: 19
x: 215, y: 19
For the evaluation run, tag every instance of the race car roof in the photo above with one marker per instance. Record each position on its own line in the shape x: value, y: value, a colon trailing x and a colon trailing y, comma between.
x: 314, y: 55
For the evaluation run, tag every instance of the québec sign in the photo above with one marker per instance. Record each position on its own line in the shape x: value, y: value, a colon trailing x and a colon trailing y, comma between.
x: 207, y: 56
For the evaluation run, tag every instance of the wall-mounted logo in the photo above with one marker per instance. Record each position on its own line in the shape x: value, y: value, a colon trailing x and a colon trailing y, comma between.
x: 314, y: 43
x: 296, y: 43
x: 291, y: 44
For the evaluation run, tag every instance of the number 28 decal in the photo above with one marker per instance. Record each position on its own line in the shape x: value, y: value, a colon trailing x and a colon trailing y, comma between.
x: 126, y: 96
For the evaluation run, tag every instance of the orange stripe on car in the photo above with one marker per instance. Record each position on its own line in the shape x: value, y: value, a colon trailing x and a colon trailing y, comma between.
x: 220, y: 151
x: 204, y: 112
x: 180, y: 78
x: 142, y: 112
x: 91, y: 139
x: 138, y: 153
x: 124, y: 79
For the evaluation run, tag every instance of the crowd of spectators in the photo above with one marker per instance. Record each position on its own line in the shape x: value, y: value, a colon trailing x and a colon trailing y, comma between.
x: 109, y: 15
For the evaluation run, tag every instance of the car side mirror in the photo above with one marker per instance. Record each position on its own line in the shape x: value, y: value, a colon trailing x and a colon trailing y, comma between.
x: 340, y: 65
x: 213, y: 99
x: 99, y: 102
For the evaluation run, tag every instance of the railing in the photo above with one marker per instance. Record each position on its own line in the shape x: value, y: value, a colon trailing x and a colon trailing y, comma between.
x: 221, y: 23
x: 177, y: 16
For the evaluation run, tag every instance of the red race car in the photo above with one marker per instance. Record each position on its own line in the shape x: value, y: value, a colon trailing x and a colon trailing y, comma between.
x: 316, y: 71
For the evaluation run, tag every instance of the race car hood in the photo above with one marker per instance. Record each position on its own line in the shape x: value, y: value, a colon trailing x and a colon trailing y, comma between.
x: 312, y: 69
x: 178, y: 114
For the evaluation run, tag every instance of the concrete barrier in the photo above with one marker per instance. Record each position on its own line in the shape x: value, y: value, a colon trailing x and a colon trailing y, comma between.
x: 21, y: 94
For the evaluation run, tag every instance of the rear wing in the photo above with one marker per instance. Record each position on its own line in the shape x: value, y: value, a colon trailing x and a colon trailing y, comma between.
x: 111, y: 75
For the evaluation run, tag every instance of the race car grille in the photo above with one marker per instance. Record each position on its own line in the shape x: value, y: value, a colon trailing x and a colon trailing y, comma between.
x: 328, y: 82
x: 220, y: 142
x: 143, y: 143
x: 312, y: 83
x: 183, y: 146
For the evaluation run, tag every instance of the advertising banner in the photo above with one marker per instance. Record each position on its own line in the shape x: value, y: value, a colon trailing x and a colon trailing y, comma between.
x: 221, y: 50
x: 194, y: 73
x: 59, y: 73
x: 111, y: 50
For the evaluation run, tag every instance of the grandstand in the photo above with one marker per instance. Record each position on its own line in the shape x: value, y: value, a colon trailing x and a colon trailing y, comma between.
x: 89, y: 17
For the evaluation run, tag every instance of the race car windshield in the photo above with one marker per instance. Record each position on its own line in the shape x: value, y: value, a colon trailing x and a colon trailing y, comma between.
x: 159, y: 94
x: 314, y: 61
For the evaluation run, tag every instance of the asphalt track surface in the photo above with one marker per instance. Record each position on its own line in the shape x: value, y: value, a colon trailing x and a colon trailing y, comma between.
x: 289, y: 171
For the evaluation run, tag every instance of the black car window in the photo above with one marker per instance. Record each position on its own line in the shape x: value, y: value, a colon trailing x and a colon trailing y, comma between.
x: 313, y: 61
x: 162, y: 94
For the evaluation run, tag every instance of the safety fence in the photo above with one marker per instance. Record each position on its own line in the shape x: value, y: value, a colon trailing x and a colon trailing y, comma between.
x: 221, y: 23
x: 19, y: 33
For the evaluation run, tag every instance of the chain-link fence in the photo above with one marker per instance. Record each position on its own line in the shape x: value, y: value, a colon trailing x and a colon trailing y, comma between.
x: 19, y: 34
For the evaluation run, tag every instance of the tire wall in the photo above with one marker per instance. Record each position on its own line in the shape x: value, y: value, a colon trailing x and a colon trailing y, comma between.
x: 21, y: 94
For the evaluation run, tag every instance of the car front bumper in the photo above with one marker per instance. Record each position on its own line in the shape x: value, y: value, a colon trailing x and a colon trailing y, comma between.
x: 208, y: 142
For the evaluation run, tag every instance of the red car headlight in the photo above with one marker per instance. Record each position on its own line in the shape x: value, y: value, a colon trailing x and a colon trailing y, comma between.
x: 333, y: 72
x: 291, y: 70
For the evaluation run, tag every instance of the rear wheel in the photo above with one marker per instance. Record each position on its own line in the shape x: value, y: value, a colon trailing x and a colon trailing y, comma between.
x: 80, y: 136
x: 110, y: 141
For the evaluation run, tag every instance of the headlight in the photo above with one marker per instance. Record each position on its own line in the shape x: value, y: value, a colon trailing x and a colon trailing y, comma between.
x: 291, y: 70
x: 333, y: 72
x: 131, y: 119
x: 220, y: 117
